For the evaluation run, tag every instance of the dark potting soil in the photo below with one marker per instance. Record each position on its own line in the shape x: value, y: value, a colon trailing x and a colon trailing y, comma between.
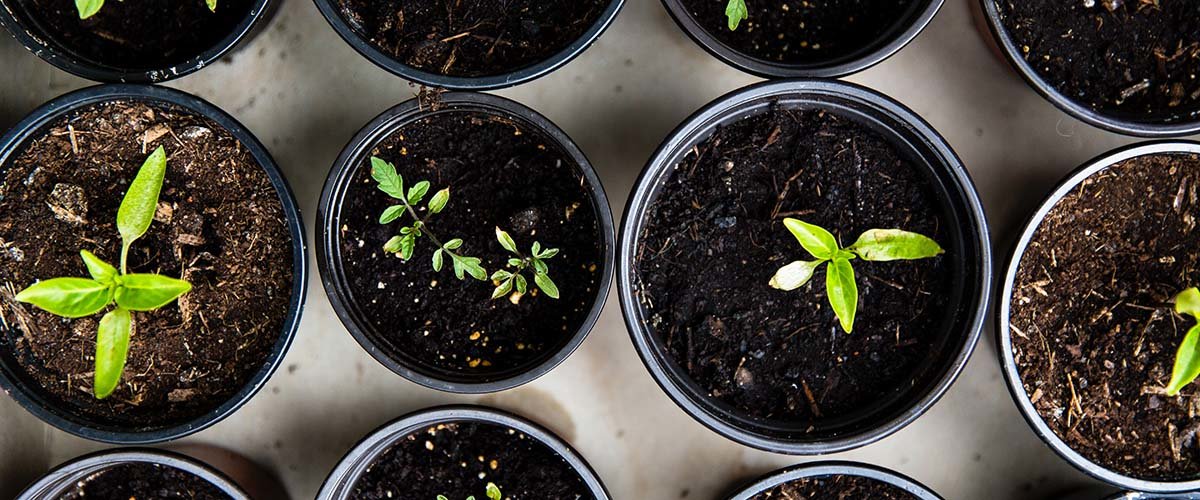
x: 220, y: 225
x: 836, y: 487
x: 141, y: 480
x: 500, y: 173
x: 805, y: 32
x: 459, y: 459
x: 471, y: 38
x: 142, y: 34
x: 1135, y: 58
x: 714, y: 238
x: 1093, y: 330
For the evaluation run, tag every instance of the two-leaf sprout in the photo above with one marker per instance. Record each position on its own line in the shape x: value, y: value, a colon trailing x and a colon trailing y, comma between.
x: 736, y: 11
x: 873, y: 245
x: 506, y: 280
x: 493, y: 493
x: 1187, y: 358
x: 80, y: 297
x: 89, y: 8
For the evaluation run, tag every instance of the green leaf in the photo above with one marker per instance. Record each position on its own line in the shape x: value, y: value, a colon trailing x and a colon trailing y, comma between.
x: 112, y: 348
x: 547, y: 253
x: 141, y: 200
x: 439, y: 200
x: 472, y: 267
x: 88, y: 8
x: 546, y: 284
x: 417, y: 192
x: 1187, y: 362
x: 68, y: 297
x: 391, y: 214
x: 453, y: 244
x: 1188, y: 302
x: 101, y: 271
x: 894, y: 244
x: 493, y: 491
x: 817, y: 241
x: 500, y: 275
x: 506, y: 241
x: 522, y: 285
x: 736, y: 10
x: 842, y: 291
x: 794, y: 275
x: 517, y: 263
x: 407, y: 245
x: 502, y: 289
x: 147, y: 292
x: 212, y: 5
x: 540, y: 267
x: 537, y: 248
x: 442, y: 497
x: 393, y: 245
x: 437, y: 260
x: 389, y: 181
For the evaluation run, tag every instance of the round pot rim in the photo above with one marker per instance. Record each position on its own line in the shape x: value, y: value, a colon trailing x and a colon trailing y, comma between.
x: 117, y: 456
x: 44, y: 47
x: 1003, y: 310
x: 351, y: 466
x: 647, y: 347
x: 326, y: 224
x: 517, y: 76
x: 1078, y: 111
x: 769, y: 69
x: 62, y: 105
x: 831, y: 468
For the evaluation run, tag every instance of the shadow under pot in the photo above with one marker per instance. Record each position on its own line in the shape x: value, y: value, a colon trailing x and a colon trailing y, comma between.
x: 459, y: 452
x: 134, y: 473
x: 465, y: 244
x: 836, y: 480
x: 826, y: 39
x: 1087, y: 329
x: 472, y: 44
x: 1124, y: 66
x: 138, y: 42
x: 754, y: 243
x: 117, y: 350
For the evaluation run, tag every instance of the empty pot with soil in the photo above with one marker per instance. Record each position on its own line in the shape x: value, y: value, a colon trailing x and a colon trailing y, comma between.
x: 140, y: 42
x: 1096, y: 320
x: 153, y: 264
x: 835, y: 480
x: 458, y: 452
x: 123, y: 474
x: 1129, y: 66
x: 466, y: 242
x: 471, y: 44
x: 827, y: 39
x: 753, y: 274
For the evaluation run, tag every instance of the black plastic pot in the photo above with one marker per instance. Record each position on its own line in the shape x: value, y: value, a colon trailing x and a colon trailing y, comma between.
x: 1111, y: 122
x: 820, y: 469
x: 49, y: 409
x: 871, y: 54
x: 913, y: 138
x: 44, y: 44
x: 328, y: 249
x: 1004, y: 340
x: 58, y: 482
x: 340, y: 483
x: 329, y: 9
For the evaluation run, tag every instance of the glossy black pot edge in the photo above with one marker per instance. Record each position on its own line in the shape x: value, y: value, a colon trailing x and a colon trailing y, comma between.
x: 340, y: 483
x: 978, y: 236
x: 42, y: 117
x: 1004, y: 341
x: 327, y: 229
x: 835, y: 468
x: 54, y: 484
x: 329, y: 9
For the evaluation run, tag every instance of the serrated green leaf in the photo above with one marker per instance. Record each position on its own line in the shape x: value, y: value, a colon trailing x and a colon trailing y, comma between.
x: 547, y: 253
x: 112, y: 349
x: 437, y: 260
x: 736, y: 11
x: 212, y: 5
x: 68, y: 297
x: 459, y: 270
x: 147, y: 292
x: 506, y: 241
x: 391, y: 214
x: 522, y: 285
x: 546, y: 284
x: 842, y: 291
x: 1188, y: 302
x: 815, y: 239
x: 502, y: 289
x: 894, y: 244
x: 417, y: 192
x: 439, y: 200
x: 389, y: 181
x: 795, y: 275
x: 141, y: 200
x: 493, y: 491
x: 472, y: 266
x: 1187, y: 362
x: 88, y: 8
x: 453, y: 244
x: 101, y: 271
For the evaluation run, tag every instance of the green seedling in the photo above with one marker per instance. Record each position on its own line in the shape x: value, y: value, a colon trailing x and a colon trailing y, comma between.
x: 80, y: 297
x: 403, y: 244
x: 493, y: 493
x: 736, y: 11
x: 507, y: 280
x: 89, y: 8
x: 1187, y: 358
x: 873, y: 245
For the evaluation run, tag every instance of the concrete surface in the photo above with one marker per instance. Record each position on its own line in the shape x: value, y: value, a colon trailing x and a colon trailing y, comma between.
x: 304, y: 93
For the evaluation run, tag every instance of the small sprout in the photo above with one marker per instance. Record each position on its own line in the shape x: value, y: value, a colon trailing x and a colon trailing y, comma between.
x: 1187, y: 358
x: 80, y: 297
x: 506, y: 281
x: 736, y: 11
x: 493, y: 493
x: 89, y: 8
x: 405, y: 243
x: 873, y: 245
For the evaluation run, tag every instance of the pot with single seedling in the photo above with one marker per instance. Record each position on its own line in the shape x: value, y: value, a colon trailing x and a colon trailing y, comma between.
x: 1128, y: 66
x: 141, y: 42
x: 835, y: 480
x: 470, y: 44
x: 152, y: 268
x: 804, y: 266
x: 1097, y: 316
x: 462, y: 452
x: 466, y: 242
x: 818, y: 39
x: 134, y: 473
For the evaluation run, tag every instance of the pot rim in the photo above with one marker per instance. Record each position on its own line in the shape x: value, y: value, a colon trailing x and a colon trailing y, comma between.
x: 833, y: 468
x: 34, y: 122
x: 49, y: 485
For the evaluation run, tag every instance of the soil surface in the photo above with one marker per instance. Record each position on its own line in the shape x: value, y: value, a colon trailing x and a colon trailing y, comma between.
x: 807, y: 32
x: 838, y: 487
x: 138, y: 35
x: 715, y: 236
x: 471, y: 38
x: 1093, y: 330
x: 141, y: 480
x: 500, y: 173
x: 1134, y: 58
x: 459, y: 459
x: 220, y: 225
